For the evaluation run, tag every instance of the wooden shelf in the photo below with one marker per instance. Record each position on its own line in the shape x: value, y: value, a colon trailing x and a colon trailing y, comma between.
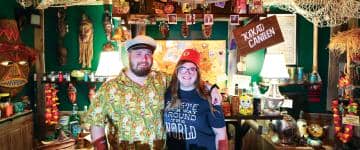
x: 17, y: 115
x: 260, y: 117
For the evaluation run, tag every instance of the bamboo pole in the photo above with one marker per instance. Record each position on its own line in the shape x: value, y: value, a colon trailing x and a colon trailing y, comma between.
x: 315, y: 47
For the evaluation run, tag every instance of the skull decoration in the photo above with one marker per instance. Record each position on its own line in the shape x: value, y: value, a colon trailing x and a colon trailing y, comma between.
x: 164, y: 29
x: 15, y: 59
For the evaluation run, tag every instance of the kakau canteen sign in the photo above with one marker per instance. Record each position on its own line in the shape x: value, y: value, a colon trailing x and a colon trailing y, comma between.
x: 257, y: 35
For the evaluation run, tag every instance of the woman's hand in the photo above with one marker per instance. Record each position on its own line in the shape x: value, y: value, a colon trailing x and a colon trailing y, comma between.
x: 216, y: 98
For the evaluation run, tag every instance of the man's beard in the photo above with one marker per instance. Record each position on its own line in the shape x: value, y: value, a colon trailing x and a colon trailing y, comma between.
x: 142, y: 71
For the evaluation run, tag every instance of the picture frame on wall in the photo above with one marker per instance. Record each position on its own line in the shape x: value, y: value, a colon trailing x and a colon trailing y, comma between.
x: 190, y: 19
x: 208, y: 19
x: 287, y: 23
x: 234, y: 20
x: 172, y: 18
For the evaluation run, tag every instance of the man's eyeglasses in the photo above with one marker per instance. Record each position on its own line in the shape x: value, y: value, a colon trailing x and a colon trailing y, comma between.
x: 191, y: 70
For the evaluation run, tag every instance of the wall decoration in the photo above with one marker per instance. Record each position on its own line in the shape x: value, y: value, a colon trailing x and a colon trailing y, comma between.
x: 287, y: 23
x: 172, y: 18
x: 164, y: 29
x: 16, y: 59
x: 86, y: 37
x: 212, y: 52
x: 185, y: 31
x: 208, y: 19
x: 206, y: 31
x: 190, y: 19
x: 63, y: 28
x: 257, y: 35
x: 234, y: 20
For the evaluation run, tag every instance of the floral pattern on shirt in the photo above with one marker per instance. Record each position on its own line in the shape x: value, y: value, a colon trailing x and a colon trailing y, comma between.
x: 135, y: 110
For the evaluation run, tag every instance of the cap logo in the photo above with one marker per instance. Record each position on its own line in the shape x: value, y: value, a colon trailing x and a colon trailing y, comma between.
x: 186, y: 53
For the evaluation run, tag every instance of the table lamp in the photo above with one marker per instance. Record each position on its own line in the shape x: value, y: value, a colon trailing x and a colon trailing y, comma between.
x: 110, y: 64
x: 274, y: 69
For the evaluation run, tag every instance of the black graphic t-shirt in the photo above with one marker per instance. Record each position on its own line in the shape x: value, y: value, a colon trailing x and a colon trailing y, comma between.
x: 190, y: 125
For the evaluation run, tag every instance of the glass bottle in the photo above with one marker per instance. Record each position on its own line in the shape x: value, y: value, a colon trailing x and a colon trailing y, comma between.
x: 74, y: 121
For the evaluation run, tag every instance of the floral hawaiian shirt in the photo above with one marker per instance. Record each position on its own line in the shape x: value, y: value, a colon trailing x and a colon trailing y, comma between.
x: 135, y: 110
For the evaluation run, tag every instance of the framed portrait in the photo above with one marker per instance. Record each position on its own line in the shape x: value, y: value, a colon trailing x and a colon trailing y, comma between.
x: 234, y: 19
x: 287, y: 23
x: 190, y: 19
x: 172, y: 18
x: 208, y: 19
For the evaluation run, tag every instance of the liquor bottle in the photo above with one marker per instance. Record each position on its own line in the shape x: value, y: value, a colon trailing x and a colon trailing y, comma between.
x: 257, y: 99
x: 74, y: 121
x: 236, y: 89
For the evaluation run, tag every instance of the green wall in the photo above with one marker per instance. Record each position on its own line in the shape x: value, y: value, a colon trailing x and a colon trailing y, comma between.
x: 73, y: 15
x: 73, y: 18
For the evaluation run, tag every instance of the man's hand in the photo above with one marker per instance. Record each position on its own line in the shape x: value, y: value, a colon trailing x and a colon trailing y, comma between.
x: 216, y: 98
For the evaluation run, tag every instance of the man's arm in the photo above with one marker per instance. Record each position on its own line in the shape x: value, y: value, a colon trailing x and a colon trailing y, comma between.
x: 98, y: 138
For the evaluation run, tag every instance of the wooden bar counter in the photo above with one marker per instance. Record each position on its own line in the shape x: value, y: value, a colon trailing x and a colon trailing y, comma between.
x: 16, y: 132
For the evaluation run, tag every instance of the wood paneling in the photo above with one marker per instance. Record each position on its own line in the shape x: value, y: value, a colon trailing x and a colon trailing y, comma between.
x: 17, y: 133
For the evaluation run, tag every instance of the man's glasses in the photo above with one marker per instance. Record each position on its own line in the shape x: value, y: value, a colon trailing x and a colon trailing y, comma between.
x: 191, y: 70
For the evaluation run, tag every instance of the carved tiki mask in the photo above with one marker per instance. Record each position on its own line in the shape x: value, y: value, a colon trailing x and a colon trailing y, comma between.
x: 185, y: 31
x: 86, y: 42
x: 15, y: 59
x: 207, y: 31
x: 164, y: 29
x: 107, y: 24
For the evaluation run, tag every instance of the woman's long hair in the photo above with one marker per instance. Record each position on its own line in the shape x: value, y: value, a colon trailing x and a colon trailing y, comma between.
x: 175, y: 100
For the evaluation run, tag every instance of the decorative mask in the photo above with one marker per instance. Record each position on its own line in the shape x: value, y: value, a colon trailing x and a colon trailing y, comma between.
x: 62, y: 29
x: 315, y: 130
x: 207, y: 31
x: 120, y: 7
x: 185, y: 31
x: 15, y: 58
x: 164, y: 29
x: 86, y: 42
x: 107, y: 24
x: 186, y: 7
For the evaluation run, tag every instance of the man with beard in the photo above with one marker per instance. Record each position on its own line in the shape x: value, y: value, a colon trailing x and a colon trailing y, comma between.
x: 132, y: 103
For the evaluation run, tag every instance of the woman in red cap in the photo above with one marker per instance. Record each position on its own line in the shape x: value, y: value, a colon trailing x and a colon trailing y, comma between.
x: 191, y: 121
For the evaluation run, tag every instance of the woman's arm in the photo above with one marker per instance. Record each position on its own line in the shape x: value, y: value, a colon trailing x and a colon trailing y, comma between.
x: 98, y: 138
x: 221, y: 138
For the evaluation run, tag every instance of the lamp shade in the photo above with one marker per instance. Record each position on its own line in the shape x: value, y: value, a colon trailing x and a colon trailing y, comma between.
x: 109, y: 64
x: 274, y: 67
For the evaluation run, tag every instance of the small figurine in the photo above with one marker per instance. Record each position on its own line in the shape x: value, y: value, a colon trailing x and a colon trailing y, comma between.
x: 246, y: 105
x: 72, y: 93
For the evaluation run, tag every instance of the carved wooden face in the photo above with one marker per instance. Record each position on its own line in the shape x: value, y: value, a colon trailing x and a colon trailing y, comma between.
x: 185, y: 31
x: 164, y: 29
x: 14, y: 71
x: 86, y: 30
x: 207, y: 31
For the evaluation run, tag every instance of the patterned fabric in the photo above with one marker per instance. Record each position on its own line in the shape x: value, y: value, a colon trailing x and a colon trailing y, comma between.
x: 135, y: 111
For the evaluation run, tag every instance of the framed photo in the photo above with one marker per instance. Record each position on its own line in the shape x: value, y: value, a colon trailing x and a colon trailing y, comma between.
x: 190, y: 19
x: 234, y: 20
x: 172, y: 18
x: 287, y: 23
x: 208, y: 19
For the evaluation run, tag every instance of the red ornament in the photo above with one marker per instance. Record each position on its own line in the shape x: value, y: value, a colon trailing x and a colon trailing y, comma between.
x: 347, y: 133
